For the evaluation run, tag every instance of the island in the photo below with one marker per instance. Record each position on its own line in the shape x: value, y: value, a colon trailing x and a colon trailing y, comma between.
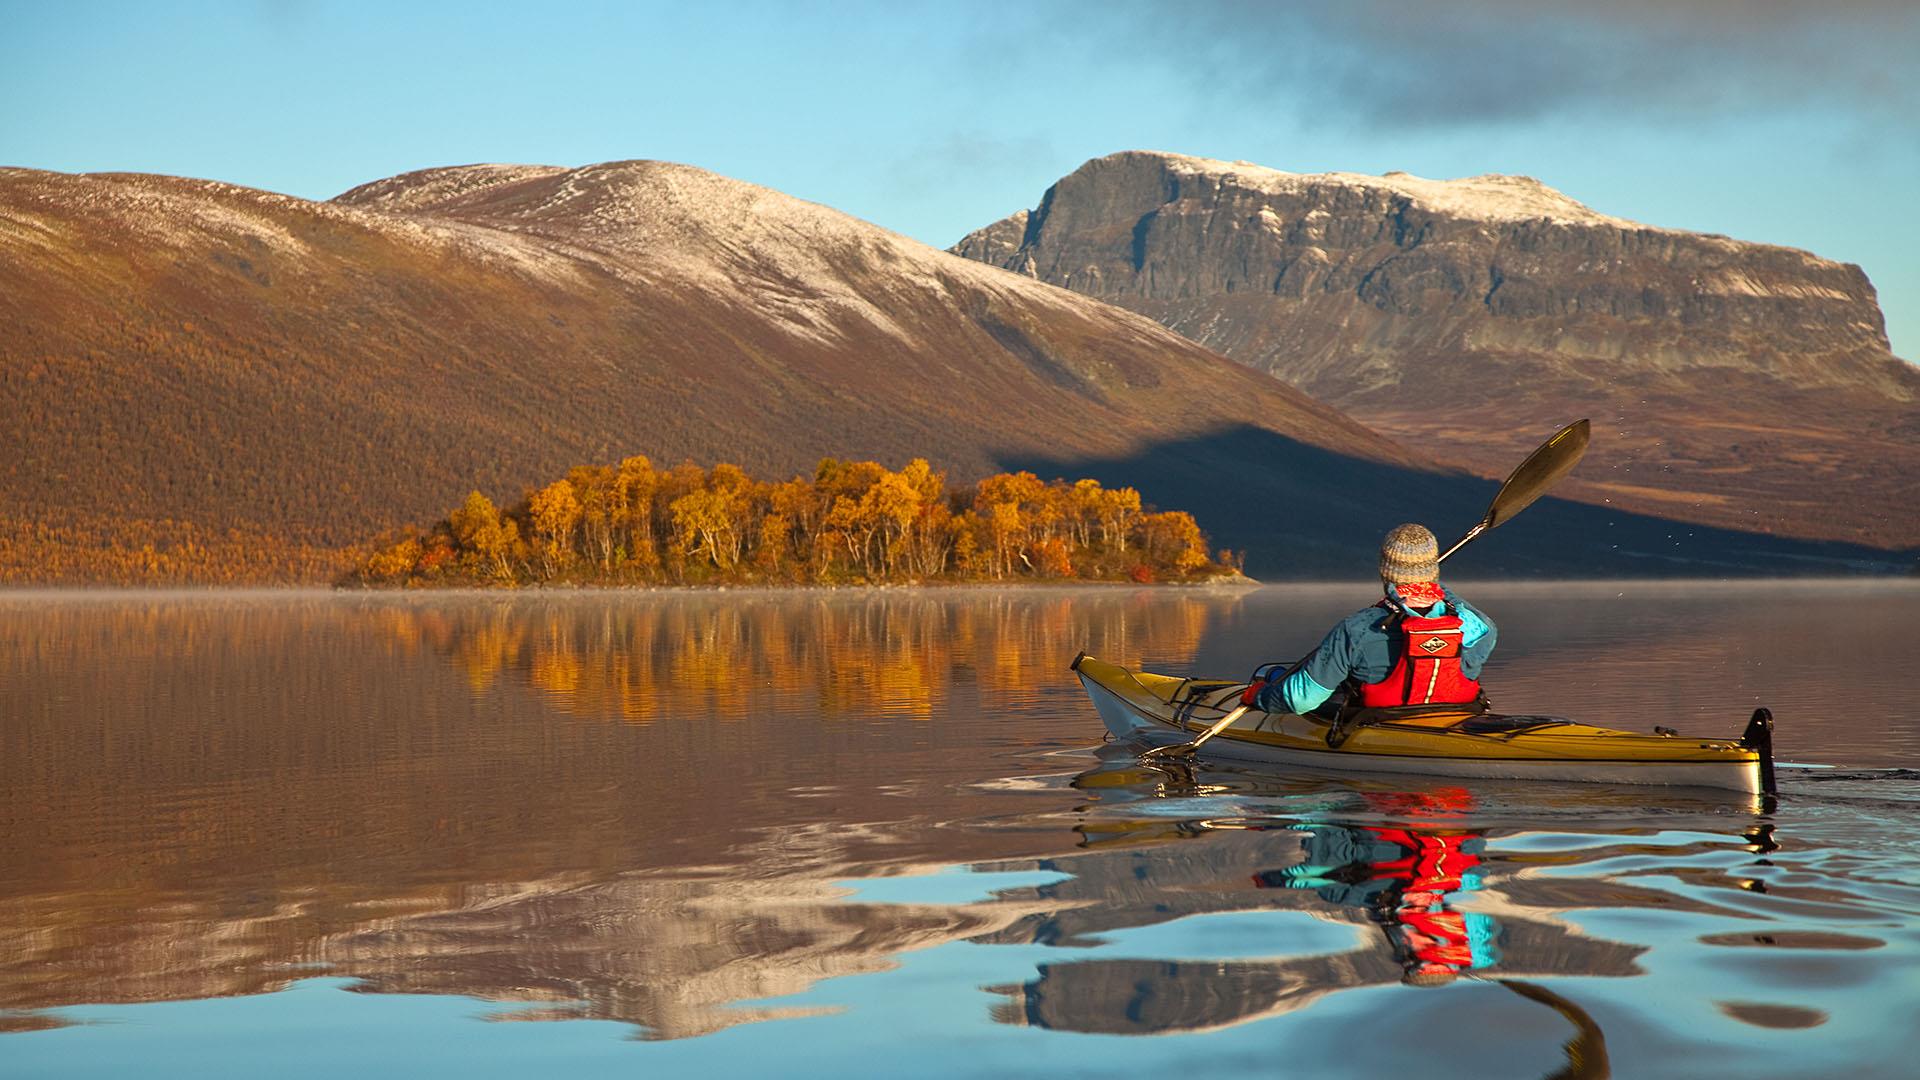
x: 851, y: 523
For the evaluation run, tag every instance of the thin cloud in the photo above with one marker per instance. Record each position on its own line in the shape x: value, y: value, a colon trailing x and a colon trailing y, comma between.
x: 931, y: 165
x: 1401, y: 64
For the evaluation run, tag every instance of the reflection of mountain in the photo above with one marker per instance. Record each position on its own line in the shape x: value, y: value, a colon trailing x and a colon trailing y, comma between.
x: 670, y: 954
x: 675, y: 956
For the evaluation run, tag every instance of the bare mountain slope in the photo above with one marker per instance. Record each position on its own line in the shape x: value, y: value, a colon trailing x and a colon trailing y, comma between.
x: 1732, y: 384
x: 205, y: 382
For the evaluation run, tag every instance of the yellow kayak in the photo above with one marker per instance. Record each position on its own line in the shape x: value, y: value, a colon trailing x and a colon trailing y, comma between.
x: 1159, y: 710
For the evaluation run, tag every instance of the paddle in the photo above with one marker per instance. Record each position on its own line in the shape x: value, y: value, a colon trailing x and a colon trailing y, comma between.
x: 1543, y: 468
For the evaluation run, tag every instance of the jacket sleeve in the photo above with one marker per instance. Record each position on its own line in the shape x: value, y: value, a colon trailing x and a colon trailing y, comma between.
x: 1313, y: 682
x: 1300, y: 692
x: 1477, y: 637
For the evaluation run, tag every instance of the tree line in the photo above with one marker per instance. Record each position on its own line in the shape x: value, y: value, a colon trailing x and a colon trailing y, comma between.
x: 89, y: 549
x: 852, y: 522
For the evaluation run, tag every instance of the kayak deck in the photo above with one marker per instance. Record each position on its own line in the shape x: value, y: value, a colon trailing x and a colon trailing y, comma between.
x: 1164, y: 709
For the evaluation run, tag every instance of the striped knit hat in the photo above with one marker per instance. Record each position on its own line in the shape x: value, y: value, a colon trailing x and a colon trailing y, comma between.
x: 1409, y: 554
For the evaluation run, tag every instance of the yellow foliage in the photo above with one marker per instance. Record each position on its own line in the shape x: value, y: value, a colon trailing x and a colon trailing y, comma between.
x: 853, y: 521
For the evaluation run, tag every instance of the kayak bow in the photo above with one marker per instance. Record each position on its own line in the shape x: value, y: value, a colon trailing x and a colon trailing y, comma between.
x: 1157, y: 710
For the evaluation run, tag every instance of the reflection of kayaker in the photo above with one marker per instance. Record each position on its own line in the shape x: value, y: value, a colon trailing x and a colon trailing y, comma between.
x: 1405, y: 866
x: 1402, y: 876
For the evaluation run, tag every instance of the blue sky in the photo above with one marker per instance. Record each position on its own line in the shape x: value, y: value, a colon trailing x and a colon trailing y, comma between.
x: 1762, y: 119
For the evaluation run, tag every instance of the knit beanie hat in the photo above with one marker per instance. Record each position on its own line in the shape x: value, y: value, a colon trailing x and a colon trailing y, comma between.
x: 1409, y: 554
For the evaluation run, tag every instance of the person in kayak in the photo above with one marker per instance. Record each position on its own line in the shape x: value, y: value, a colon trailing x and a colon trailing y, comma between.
x: 1419, y: 645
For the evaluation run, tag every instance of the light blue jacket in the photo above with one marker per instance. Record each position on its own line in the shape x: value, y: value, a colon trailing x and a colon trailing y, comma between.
x: 1360, y: 646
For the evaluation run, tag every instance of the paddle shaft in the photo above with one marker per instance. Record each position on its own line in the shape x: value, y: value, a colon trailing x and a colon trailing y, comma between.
x: 1462, y: 542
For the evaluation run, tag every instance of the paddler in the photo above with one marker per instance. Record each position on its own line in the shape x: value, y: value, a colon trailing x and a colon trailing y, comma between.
x: 1419, y: 645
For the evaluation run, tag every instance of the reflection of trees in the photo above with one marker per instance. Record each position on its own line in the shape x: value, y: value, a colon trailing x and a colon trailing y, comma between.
x: 898, y: 655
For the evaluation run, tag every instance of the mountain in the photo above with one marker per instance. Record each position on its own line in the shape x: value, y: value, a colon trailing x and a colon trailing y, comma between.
x: 209, y: 382
x: 202, y: 382
x: 1731, y: 384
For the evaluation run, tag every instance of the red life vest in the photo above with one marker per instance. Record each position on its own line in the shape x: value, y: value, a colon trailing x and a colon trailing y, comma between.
x: 1427, y: 671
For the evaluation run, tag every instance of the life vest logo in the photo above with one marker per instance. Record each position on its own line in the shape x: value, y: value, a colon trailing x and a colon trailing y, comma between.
x: 1435, y: 644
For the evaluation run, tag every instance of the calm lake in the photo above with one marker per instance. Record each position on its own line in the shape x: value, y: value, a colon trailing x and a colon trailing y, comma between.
x: 878, y: 834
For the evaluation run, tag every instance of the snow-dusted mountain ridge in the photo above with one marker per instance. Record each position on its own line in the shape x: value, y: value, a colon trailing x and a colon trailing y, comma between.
x: 1730, y: 382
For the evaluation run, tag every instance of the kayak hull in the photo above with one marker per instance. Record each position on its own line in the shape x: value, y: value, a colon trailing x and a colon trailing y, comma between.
x: 1158, y: 710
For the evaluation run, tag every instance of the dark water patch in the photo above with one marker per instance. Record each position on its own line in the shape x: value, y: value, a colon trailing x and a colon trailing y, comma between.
x: 1793, y: 939
x: 17, y: 1020
x: 1855, y: 776
x: 1787, y: 1017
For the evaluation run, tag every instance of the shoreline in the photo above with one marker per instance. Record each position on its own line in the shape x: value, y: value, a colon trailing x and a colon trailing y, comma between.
x: 1587, y: 587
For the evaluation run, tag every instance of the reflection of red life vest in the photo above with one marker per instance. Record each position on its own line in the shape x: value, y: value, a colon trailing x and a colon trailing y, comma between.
x: 1436, y: 936
x: 1428, y: 668
x: 1434, y: 862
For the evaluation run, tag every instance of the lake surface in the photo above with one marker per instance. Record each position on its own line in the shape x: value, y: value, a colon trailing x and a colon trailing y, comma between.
x: 878, y: 834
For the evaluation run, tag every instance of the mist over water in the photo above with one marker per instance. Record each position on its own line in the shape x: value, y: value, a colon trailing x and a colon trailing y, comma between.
x: 706, y: 832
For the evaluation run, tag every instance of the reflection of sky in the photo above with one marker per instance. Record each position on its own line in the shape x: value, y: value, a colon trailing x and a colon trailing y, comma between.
x: 1234, y: 935
x: 955, y: 885
x: 925, y: 1018
x: 1787, y: 124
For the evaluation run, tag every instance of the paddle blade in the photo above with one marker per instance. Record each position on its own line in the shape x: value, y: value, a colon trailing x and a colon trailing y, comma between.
x: 1542, y: 469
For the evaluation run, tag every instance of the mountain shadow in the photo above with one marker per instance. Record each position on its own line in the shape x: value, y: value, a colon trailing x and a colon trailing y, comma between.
x: 1301, y: 512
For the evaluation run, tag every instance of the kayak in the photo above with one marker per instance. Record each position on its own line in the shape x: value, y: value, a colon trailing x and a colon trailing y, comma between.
x: 1160, y: 710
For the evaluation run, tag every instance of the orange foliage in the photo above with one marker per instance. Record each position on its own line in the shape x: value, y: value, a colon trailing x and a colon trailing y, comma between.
x: 854, y: 522
x: 100, y: 551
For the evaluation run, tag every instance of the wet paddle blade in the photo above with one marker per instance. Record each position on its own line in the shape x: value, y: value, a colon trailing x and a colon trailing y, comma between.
x: 1187, y: 749
x: 1542, y: 469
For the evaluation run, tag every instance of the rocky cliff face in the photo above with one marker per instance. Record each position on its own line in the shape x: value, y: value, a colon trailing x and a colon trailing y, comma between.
x: 1731, y: 383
